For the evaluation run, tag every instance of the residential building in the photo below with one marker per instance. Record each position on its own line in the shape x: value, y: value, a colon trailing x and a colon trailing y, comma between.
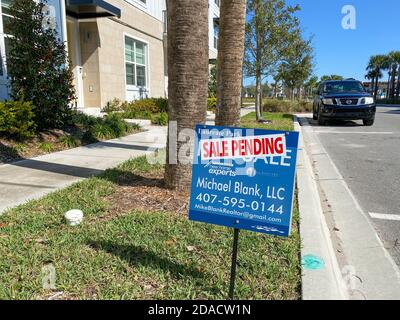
x: 117, y: 47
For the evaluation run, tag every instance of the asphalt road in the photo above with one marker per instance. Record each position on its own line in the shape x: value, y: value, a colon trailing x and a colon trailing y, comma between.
x: 369, y: 160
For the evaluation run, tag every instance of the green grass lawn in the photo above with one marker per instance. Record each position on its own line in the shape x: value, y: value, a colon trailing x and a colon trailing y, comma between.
x: 280, y: 121
x: 136, y: 254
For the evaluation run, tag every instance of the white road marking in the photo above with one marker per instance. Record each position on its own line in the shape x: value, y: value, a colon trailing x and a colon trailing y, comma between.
x: 356, y: 132
x: 382, y: 216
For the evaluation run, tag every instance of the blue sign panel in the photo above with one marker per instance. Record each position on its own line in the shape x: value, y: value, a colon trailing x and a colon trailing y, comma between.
x: 244, y: 178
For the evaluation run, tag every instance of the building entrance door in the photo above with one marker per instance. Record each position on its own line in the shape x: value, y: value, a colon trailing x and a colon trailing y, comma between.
x: 74, y: 53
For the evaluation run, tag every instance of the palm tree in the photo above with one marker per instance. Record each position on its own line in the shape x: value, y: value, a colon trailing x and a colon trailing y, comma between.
x: 230, y: 62
x: 377, y: 64
x: 371, y: 76
x: 395, y: 55
x: 187, y: 84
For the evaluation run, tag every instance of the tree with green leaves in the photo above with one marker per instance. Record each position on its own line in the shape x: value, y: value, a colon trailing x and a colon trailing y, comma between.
x: 38, y: 66
x: 331, y: 77
x: 298, y: 65
x: 269, y: 27
x: 311, y: 84
x: 212, y: 82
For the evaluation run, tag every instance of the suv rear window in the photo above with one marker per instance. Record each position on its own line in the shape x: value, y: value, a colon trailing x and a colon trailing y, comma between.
x: 341, y: 87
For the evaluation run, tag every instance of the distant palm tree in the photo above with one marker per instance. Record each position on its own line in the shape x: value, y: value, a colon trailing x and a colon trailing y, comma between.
x: 395, y: 56
x: 230, y: 62
x: 371, y: 76
x: 187, y: 83
x: 377, y: 64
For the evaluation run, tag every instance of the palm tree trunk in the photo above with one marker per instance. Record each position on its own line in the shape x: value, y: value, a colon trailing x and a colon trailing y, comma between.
x: 398, y: 84
x: 376, y: 87
x: 187, y: 85
x: 230, y: 61
x: 393, y: 81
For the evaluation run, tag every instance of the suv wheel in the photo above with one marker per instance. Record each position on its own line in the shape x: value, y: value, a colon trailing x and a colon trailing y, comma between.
x: 314, y: 115
x: 321, y: 120
x: 368, y: 122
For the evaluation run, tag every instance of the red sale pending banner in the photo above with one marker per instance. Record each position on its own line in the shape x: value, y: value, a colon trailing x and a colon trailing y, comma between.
x: 243, y: 147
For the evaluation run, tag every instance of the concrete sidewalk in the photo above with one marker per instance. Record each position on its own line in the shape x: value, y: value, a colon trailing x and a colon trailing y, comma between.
x: 326, y: 282
x: 33, y: 178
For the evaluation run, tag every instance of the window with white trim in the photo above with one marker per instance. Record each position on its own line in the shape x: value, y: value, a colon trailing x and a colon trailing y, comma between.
x: 4, y: 33
x: 135, y: 62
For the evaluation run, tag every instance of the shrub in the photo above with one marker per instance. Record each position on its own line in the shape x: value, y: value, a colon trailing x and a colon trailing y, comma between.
x: 68, y: 141
x: 140, y: 108
x: 86, y: 121
x: 118, y: 127
x: 17, y: 119
x: 137, y: 115
x: 111, y: 126
x: 275, y: 105
x: 212, y: 104
x: 113, y: 105
x: 46, y: 147
x: 37, y: 65
x: 388, y: 101
x: 162, y: 104
x: 160, y: 119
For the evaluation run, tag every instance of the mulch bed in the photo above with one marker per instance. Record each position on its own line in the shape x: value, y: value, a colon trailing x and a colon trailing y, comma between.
x: 146, y: 193
x: 9, y: 151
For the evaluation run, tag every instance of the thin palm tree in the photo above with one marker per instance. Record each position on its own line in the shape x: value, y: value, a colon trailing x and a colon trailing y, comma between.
x: 371, y: 76
x: 187, y: 84
x: 377, y: 64
x: 230, y: 62
x: 395, y: 55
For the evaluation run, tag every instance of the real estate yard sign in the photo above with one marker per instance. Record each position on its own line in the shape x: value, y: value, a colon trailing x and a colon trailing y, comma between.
x: 244, y: 178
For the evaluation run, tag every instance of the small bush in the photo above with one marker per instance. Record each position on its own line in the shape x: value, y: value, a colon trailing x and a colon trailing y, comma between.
x: 160, y: 119
x: 130, y: 114
x: 212, y: 104
x: 84, y: 120
x: 113, y: 105
x: 285, y: 106
x: 388, y: 101
x: 68, y: 141
x: 139, y: 109
x: 118, y: 127
x: 46, y: 147
x: 111, y: 126
x: 17, y: 119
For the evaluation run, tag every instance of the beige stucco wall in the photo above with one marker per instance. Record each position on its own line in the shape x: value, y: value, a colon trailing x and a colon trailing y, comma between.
x: 103, y: 56
x: 89, y: 42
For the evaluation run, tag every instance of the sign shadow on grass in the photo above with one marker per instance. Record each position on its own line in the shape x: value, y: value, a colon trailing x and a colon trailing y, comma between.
x: 139, y: 256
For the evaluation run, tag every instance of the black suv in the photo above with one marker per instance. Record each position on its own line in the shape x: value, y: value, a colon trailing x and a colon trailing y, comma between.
x: 343, y: 100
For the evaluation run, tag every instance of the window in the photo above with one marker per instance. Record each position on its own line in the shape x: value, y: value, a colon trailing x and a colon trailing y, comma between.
x: 216, y: 2
x: 5, y: 32
x: 135, y: 62
x: 216, y: 35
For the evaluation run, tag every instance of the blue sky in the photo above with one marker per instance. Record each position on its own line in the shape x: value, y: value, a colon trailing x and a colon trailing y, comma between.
x: 346, y: 52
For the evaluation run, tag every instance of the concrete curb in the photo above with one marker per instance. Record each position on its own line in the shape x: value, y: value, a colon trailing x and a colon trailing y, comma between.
x: 326, y: 283
x: 370, y: 272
